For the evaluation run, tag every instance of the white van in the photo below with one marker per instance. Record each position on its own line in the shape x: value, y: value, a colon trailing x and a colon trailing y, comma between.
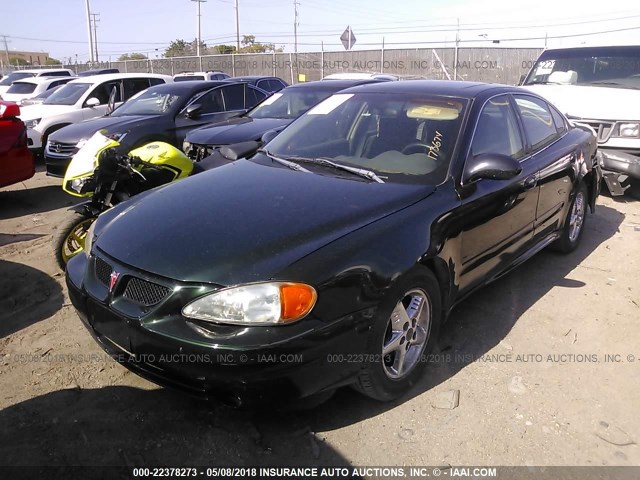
x: 6, y: 82
x: 81, y: 99
x: 600, y: 87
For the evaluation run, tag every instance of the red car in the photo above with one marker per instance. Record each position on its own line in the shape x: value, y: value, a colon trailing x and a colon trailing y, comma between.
x: 16, y: 161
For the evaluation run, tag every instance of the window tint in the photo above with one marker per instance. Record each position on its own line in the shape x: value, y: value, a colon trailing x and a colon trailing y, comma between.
x: 537, y: 120
x: 211, y: 102
x: 22, y: 88
x: 254, y: 97
x: 234, y: 97
x: 264, y: 85
x: 134, y: 85
x: 156, y: 81
x: 497, y: 130
x: 561, y: 124
x: 102, y: 92
x: 275, y: 85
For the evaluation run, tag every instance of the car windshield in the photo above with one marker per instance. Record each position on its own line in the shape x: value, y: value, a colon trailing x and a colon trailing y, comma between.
x: 288, y: 103
x: 12, y: 77
x: 610, y: 67
x: 188, y: 78
x: 400, y: 137
x: 22, y: 87
x: 69, y: 94
x: 148, y: 103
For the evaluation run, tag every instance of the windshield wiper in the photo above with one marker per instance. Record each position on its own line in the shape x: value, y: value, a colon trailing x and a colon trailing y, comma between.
x: 330, y: 163
x: 282, y: 161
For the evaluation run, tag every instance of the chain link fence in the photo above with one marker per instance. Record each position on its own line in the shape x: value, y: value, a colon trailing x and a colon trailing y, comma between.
x: 498, y: 65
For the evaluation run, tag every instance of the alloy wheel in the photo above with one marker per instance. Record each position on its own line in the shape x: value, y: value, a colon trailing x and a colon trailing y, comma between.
x: 576, y: 219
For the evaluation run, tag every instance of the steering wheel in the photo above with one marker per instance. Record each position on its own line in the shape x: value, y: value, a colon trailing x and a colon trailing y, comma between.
x: 416, y: 147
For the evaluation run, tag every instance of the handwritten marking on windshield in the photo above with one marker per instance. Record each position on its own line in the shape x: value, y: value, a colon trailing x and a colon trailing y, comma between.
x: 434, y: 148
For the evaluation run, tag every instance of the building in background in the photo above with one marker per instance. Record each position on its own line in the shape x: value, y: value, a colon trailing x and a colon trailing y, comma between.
x: 29, y: 58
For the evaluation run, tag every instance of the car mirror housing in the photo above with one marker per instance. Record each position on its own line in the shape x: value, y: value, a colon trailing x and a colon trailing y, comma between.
x: 9, y: 110
x: 239, y: 150
x: 193, y: 111
x: 492, y: 166
x: 93, y: 102
x: 269, y: 135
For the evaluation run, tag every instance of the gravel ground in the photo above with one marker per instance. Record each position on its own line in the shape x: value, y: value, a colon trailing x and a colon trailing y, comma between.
x: 520, y: 376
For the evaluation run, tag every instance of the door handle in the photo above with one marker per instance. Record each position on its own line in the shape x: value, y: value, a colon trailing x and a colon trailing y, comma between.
x: 530, y: 182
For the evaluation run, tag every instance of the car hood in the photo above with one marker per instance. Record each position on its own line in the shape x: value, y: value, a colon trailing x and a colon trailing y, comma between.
x: 75, y: 132
x: 31, y: 112
x: 592, y: 103
x: 235, y: 130
x: 243, y: 222
x: 14, y: 97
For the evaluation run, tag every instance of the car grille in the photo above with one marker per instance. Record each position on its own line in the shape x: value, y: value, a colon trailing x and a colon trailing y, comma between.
x: 60, y: 149
x: 603, y: 128
x: 103, y: 271
x: 144, y: 292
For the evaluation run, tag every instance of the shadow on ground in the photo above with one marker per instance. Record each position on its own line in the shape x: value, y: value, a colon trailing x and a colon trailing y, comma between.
x: 17, y: 203
x: 27, y: 296
x: 129, y: 426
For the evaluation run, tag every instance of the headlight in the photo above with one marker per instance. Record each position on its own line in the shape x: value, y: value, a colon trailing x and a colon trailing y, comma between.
x: 629, y: 130
x: 32, y: 123
x: 186, y: 146
x: 88, y: 240
x: 270, y: 303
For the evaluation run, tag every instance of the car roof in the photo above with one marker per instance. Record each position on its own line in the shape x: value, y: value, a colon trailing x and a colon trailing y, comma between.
x: 596, y: 49
x: 332, y: 86
x: 43, y: 79
x: 435, y: 87
x: 189, y: 86
x: 198, y: 73
x: 253, y: 77
x: 118, y: 76
x: 41, y: 70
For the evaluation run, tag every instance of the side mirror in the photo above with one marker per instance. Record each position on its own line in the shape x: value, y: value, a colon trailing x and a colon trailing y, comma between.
x: 193, y: 111
x: 268, y: 136
x: 92, y: 102
x: 9, y: 110
x: 239, y: 150
x: 492, y: 166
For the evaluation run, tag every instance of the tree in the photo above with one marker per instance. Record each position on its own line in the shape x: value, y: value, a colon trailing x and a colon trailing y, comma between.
x: 181, y: 48
x: 251, y: 46
x: 17, y: 61
x: 221, y: 50
x: 132, y: 56
x: 52, y: 61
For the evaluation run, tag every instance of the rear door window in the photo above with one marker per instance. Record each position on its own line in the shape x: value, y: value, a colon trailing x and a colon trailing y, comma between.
x: 211, y: 102
x: 102, y: 91
x: 234, y: 96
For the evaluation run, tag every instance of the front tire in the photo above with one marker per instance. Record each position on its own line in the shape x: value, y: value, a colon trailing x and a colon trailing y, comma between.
x: 571, y: 233
x: 405, y: 328
x: 70, y: 239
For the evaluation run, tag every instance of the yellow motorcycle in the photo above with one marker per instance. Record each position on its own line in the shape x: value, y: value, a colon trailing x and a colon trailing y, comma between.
x: 102, y: 172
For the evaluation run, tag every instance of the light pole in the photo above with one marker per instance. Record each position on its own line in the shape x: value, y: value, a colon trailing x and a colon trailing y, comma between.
x: 237, y: 28
x: 89, y: 30
x: 199, y: 26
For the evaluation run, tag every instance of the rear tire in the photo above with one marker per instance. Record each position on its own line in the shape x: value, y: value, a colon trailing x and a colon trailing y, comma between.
x: 69, y: 240
x: 405, y: 328
x: 634, y: 189
x: 574, y: 222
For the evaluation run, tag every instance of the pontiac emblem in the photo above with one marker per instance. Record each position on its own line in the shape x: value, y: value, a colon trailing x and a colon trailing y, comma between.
x: 112, y: 280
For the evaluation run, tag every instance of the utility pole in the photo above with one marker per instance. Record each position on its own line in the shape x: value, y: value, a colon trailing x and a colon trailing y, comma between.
x: 6, y: 48
x: 89, y: 30
x: 455, y: 52
x: 95, y: 33
x: 237, y: 28
x: 295, y: 26
x: 199, y: 26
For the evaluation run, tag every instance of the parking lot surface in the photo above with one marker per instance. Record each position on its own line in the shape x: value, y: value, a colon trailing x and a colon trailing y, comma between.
x: 542, y: 367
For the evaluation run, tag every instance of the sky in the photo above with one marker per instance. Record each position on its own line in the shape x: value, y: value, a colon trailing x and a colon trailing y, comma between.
x: 147, y: 26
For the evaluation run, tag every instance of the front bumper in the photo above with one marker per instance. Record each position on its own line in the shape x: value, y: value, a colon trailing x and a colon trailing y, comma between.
x: 56, y: 166
x: 34, y: 139
x: 223, y: 362
x: 617, y: 167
